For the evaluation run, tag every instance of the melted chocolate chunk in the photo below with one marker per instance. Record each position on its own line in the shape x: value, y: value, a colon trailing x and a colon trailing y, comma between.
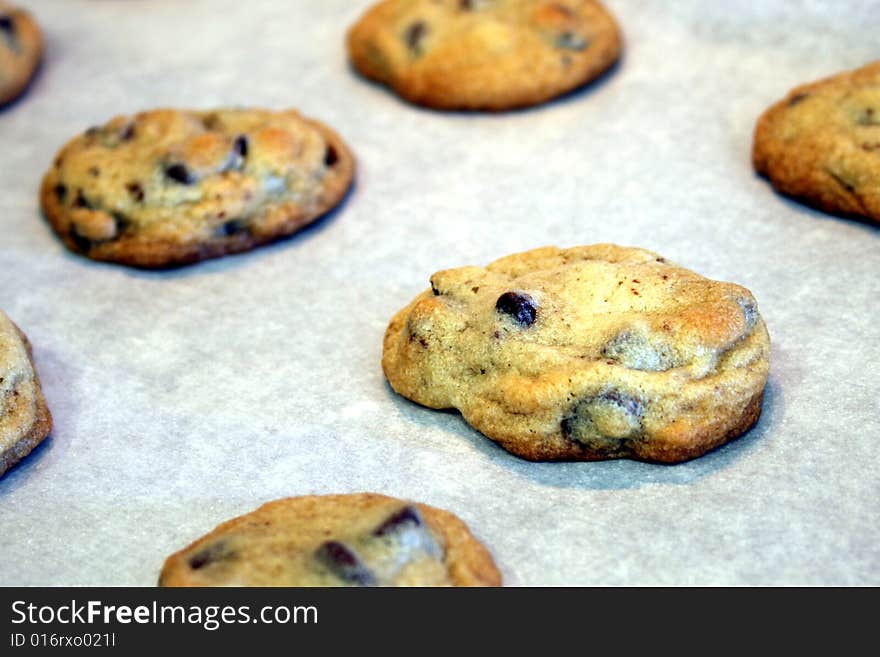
x: 414, y: 35
x: 232, y: 227
x: 331, y: 157
x: 7, y: 25
x: 589, y: 422
x: 750, y: 311
x: 408, y: 516
x: 61, y: 192
x: 345, y: 564
x: 136, y: 191
x: 571, y: 41
x: 83, y: 244
x: 128, y: 132
x: 81, y: 201
x: 179, y: 173
x: 520, y: 307
x: 630, y: 404
x: 241, y: 145
x: 797, y: 98
x: 211, y: 554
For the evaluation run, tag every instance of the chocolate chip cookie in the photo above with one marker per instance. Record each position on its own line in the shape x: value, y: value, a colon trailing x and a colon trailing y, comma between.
x: 361, y: 539
x: 593, y: 352
x: 170, y: 187
x: 821, y: 143
x: 24, y: 417
x: 21, y: 48
x: 484, y: 54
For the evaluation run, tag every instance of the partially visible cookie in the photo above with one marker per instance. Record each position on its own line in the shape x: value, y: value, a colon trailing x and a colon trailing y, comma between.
x: 24, y: 417
x: 593, y: 352
x: 821, y: 143
x: 360, y: 539
x: 170, y: 187
x: 21, y: 48
x: 484, y: 54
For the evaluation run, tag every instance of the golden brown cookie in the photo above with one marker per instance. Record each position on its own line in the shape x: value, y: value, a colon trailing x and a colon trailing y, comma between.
x: 24, y: 417
x: 361, y: 539
x: 170, y: 187
x: 21, y: 49
x: 484, y: 54
x: 821, y: 143
x: 593, y: 352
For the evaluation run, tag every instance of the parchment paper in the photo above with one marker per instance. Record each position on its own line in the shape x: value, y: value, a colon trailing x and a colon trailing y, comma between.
x: 184, y: 398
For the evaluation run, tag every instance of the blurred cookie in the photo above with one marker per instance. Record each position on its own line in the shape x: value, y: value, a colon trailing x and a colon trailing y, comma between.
x: 24, y: 418
x: 169, y: 187
x: 484, y: 54
x: 21, y: 48
x: 361, y: 539
x: 593, y: 352
x: 821, y: 143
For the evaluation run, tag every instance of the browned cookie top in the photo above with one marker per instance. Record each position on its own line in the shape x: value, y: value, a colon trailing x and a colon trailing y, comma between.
x: 24, y: 418
x: 484, y: 54
x: 361, y: 539
x: 168, y: 187
x: 821, y: 143
x: 21, y: 47
x: 585, y: 353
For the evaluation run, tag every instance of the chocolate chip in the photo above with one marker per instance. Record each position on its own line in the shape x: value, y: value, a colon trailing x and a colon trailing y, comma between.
x: 869, y: 117
x: 603, y: 421
x: 466, y: 5
x: 179, y: 173
x: 414, y: 35
x: 83, y: 244
x: 797, y: 98
x: 81, y: 201
x: 232, y: 227
x: 520, y: 307
x: 407, y: 516
x: 122, y: 223
x: 128, y: 132
x: 331, y: 157
x: 345, y: 564
x: 241, y: 145
x: 136, y: 191
x: 571, y: 41
x: 61, y: 192
x: 750, y: 311
x: 211, y: 554
x: 630, y: 404
x: 94, y: 131
x: 435, y: 290
x: 94, y: 172
x: 7, y: 25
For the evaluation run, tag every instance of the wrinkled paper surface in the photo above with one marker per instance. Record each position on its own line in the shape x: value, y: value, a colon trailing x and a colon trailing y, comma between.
x: 184, y: 398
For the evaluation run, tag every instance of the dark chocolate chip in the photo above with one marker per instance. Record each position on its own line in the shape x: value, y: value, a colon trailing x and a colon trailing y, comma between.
x: 869, y: 117
x: 797, y: 98
x: 211, y: 554
x: 61, y: 192
x: 466, y: 5
x: 94, y: 131
x: 571, y: 41
x: 127, y: 133
x: 750, y: 311
x: 136, y: 191
x: 81, y: 201
x: 7, y: 24
x: 331, y: 157
x: 232, y: 227
x: 520, y: 307
x: 407, y: 516
x: 630, y: 404
x: 122, y: 223
x: 179, y: 173
x: 345, y: 564
x: 241, y: 145
x: 580, y: 426
x: 94, y: 172
x: 83, y: 244
x: 414, y: 35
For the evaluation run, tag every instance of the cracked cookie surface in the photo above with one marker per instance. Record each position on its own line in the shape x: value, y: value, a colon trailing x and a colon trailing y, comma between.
x: 24, y: 417
x: 361, y: 539
x: 170, y: 187
x: 21, y: 48
x: 587, y: 353
x: 821, y: 143
x: 484, y: 54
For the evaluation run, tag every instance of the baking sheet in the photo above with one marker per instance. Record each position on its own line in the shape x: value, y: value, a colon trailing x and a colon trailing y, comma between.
x: 184, y: 398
